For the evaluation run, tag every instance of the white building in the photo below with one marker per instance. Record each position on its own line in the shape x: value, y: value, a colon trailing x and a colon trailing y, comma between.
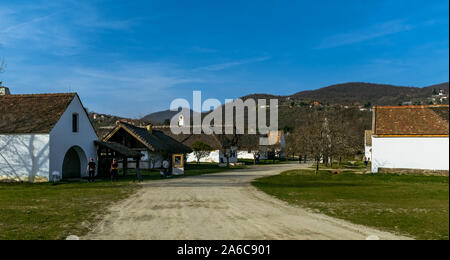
x: 219, y: 144
x: 247, y: 146
x: 44, y: 133
x: 410, y: 139
x: 368, y: 144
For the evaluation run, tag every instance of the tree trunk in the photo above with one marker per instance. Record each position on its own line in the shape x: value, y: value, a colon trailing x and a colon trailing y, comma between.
x: 317, y: 164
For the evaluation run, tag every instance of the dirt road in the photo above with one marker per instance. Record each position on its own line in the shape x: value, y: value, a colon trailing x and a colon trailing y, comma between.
x: 220, y: 206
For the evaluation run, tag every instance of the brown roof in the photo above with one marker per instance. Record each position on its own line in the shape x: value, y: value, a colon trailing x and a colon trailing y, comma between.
x: 220, y: 141
x: 368, y: 135
x: 36, y: 113
x: 155, y: 141
x: 119, y: 148
x: 412, y: 120
x: 189, y: 139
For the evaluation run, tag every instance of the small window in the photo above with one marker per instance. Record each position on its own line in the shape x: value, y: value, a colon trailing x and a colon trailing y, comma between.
x: 75, y: 123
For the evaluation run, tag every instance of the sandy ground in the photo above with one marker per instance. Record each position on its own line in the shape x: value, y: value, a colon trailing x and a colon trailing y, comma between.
x: 220, y: 206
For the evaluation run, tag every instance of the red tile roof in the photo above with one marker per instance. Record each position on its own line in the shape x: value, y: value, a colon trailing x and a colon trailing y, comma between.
x: 412, y: 120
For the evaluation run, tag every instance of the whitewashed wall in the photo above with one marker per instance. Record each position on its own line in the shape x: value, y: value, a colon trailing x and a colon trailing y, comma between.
x: 245, y: 155
x: 62, y: 138
x: 24, y: 157
x: 213, y: 157
x: 411, y: 153
x: 368, y: 152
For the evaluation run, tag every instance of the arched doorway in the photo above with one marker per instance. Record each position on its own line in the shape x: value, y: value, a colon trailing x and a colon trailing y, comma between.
x: 74, y: 159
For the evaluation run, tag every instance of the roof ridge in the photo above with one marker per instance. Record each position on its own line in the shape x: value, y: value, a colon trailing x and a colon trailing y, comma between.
x: 412, y: 106
x: 41, y: 95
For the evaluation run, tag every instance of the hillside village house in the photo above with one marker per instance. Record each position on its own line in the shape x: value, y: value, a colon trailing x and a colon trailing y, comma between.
x: 368, y: 144
x: 43, y: 134
x: 411, y: 139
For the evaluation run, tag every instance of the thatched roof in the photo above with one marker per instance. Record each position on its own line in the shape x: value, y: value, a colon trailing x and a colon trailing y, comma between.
x: 155, y: 140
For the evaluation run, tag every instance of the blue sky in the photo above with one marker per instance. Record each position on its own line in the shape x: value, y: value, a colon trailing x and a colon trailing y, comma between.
x: 131, y: 58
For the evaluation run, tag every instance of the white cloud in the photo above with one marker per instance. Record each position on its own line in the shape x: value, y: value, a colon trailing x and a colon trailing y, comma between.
x: 227, y: 65
x: 373, y: 32
x: 124, y: 88
x: 60, y: 28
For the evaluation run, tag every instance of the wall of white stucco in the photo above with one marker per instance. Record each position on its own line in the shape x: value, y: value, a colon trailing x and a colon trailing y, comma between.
x: 429, y: 153
x: 368, y: 152
x: 24, y: 157
x: 245, y: 155
x: 62, y: 138
x: 213, y: 157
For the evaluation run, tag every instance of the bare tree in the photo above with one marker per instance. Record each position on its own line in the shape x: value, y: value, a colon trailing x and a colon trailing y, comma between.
x: 201, y: 150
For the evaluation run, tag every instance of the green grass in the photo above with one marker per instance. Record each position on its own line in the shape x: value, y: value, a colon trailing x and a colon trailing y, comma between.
x: 46, y: 211
x: 354, y: 165
x: 416, y: 206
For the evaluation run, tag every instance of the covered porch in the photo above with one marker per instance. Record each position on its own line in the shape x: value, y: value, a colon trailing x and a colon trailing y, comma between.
x: 107, y: 151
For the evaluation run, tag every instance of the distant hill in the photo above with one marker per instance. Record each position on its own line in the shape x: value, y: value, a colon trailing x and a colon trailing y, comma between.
x: 376, y: 94
x: 162, y: 116
x: 341, y: 94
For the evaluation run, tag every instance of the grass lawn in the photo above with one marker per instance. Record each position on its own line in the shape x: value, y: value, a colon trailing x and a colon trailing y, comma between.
x: 416, y: 206
x: 46, y: 211
x: 351, y: 165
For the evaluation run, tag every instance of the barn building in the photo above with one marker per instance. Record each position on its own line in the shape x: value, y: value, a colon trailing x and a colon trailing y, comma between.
x: 43, y: 134
x: 411, y: 139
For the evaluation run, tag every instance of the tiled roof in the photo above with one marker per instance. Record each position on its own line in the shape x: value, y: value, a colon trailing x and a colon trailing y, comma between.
x: 412, y: 120
x: 36, y: 113
x: 220, y: 141
x: 119, y: 148
x: 189, y: 139
x: 157, y: 141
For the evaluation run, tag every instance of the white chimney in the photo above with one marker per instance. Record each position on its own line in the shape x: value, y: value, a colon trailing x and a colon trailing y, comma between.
x: 181, y: 120
x: 4, y: 90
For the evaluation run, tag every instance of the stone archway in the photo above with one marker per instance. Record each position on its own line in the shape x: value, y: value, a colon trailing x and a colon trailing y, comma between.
x: 73, y: 163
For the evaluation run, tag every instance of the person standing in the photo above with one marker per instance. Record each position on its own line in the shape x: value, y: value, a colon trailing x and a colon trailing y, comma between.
x: 114, y: 170
x: 166, y: 165
x: 92, y: 166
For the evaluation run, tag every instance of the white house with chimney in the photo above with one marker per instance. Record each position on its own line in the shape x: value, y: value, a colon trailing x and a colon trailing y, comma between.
x: 411, y: 139
x: 42, y: 135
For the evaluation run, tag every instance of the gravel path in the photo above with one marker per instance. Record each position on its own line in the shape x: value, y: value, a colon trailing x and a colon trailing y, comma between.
x: 220, y: 206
